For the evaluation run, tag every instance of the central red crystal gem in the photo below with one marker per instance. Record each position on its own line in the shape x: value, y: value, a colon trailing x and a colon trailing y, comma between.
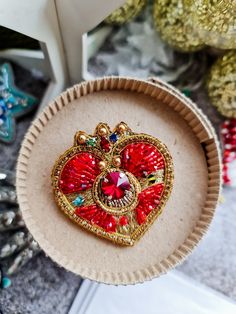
x: 115, y: 184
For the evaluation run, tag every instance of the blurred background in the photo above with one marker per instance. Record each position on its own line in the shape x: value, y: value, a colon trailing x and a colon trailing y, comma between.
x: 189, y: 44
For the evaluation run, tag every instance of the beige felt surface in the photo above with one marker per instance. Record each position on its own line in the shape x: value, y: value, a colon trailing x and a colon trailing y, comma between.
x: 81, y: 251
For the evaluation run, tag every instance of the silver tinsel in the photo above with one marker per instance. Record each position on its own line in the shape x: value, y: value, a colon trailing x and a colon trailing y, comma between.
x: 17, y: 246
x: 136, y: 50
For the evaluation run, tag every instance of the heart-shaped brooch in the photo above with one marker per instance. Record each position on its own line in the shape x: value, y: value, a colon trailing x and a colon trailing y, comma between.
x: 114, y: 184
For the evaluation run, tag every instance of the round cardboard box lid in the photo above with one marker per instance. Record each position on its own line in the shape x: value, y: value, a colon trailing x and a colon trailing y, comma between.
x: 153, y: 108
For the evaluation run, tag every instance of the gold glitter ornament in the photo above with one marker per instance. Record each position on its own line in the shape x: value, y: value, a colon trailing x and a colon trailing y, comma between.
x: 221, y: 85
x: 215, y: 22
x: 126, y: 13
x: 172, y: 21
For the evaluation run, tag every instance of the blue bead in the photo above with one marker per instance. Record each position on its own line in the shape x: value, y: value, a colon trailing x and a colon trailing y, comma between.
x: 12, y: 99
x: 3, y: 108
x: 113, y: 137
x: 78, y: 201
x: 6, y: 282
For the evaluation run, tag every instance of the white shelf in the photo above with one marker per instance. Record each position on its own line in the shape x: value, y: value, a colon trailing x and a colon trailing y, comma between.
x: 173, y: 293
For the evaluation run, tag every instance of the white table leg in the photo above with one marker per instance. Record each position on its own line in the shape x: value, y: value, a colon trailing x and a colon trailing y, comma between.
x: 76, y: 19
x: 38, y: 19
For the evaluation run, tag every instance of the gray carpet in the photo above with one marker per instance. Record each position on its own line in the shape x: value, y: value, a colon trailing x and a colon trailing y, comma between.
x: 40, y: 287
x: 213, y: 262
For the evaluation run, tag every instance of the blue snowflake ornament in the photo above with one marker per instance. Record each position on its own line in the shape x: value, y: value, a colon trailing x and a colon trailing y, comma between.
x: 14, y: 103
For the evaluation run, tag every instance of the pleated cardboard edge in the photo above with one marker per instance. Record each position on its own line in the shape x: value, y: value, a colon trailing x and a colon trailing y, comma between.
x: 200, y: 126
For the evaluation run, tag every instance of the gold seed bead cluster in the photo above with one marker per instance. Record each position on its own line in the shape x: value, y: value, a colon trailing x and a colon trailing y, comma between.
x: 221, y: 85
x: 126, y: 13
x: 172, y: 19
x: 216, y: 15
x: 215, y: 22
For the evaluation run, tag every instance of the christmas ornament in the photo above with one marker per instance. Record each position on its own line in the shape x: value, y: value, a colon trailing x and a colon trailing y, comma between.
x: 113, y: 183
x: 214, y: 22
x: 228, y: 136
x: 18, y: 247
x: 11, y: 219
x: 13, y: 103
x: 126, y: 13
x: 172, y: 19
x: 15, y: 243
x: 24, y: 256
x: 8, y: 194
x: 221, y: 85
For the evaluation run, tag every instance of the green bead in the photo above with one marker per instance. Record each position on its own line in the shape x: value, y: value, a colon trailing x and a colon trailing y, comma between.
x: 91, y: 141
x: 186, y: 92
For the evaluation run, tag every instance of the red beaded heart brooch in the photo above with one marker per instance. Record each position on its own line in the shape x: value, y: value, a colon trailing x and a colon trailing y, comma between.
x: 114, y: 184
